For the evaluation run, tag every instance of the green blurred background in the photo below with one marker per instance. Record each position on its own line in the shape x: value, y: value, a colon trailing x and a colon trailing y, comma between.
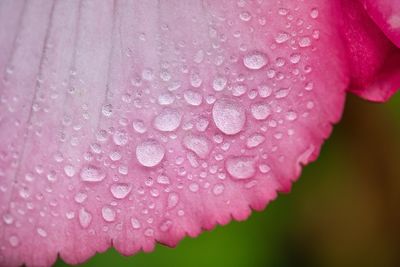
x: 344, y: 210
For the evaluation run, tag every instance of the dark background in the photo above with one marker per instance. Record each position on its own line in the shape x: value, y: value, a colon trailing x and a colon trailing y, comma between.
x: 343, y: 211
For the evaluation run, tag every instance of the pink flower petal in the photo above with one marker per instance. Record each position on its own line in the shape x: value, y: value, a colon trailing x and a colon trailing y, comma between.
x: 373, y: 58
x: 133, y: 122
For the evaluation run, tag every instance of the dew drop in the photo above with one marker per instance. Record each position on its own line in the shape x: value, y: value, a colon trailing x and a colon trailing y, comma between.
x: 108, y: 214
x: 139, y: 126
x: 255, y: 140
x: 281, y: 37
x: 241, y: 167
x: 229, y: 116
x: 219, y: 83
x: 120, y: 190
x: 218, y: 189
x: 255, y: 60
x: 150, y: 153
x: 92, y: 173
x: 198, y: 144
x: 304, y: 42
x: 120, y: 138
x: 173, y: 199
x: 168, y: 120
x: 41, y: 232
x: 85, y: 217
x: 135, y: 223
x: 69, y: 170
x: 165, y: 226
x: 14, y: 240
x: 192, y: 97
x: 260, y: 111
x: 107, y: 110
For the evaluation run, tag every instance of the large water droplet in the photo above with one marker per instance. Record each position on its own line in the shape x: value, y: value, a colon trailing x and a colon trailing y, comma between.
x: 255, y: 60
x: 92, y: 173
x: 150, y: 153
x: 108, y: 214
x: 241, y: 167
x: 229, y: 116
x: 120, y: 190
x: 85, y: 217
x: 168, y: 120
x: 197, y: 144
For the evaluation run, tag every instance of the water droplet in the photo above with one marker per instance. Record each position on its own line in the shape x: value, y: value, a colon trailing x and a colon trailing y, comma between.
x: 41, y: 232
x: 260, y: 111
x: 255, y: 140
x: 304, y: 42
x: 168, y: 120
x: 193, y: 187
x: 14, y: 240
x: 85, y: 217
x: 166, y: 99
x: 107, y: 110
x: 195, y: 79
x: 8, y: 218
x: 255, y: 60
x: 135, y: 223
x: 197, y: 144
x: 192, y: 97
x: 314, y: 13
x: 139, y: 126
x: 245, y: 16
x: 92, y: 173
x: 80, y: 197
x: 241, y: 167
x: 149, y: 232
x: 218, y: 189
x: 173, y: 200
x: 120, y: 190
x: 69, y: 170
x: 165, y: 226
x: 291, y: 116
x: 108, y: 214
x: 281, y: 37
x: 150, y: 153
x: 120, y: 138
x: 229, y: 116
x: 219, y: 83
x: 295, y: 58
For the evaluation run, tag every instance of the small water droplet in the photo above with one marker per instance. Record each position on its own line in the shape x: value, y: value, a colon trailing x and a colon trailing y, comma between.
x: 92, y: 173
x: 192, y: 97
x: 245, y: 16
x: 149, y: 232
x: 260, y: 111
x: 108, y: 214
x: 150, y: 153
x: 281, y: 37
x: 197, y: 144
x: 219, y: 83
x: 304, y: 42
x: 255, y: 60
x: 218, y: 189
x: 229, y: 116
x: 173, y: 199
x: 314, y: 13
x: 69, y: 170
x: 168, y: 120
x: 120, y: 138
x: 107, y: 110
x: 255, y: 140
x: 139, y: 126
x: 41, y: 232
x: 135, y: 223
x: 85, y: 217
x: 120, y: 190
x: 241, y: 167
x: 165, y: 226
x: 14, y: 240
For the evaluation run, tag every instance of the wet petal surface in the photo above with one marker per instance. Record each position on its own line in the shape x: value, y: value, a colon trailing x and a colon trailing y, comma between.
x: 129, y: 122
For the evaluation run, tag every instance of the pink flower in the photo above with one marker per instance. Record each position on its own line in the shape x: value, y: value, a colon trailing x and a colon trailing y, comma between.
x: 129, y: 122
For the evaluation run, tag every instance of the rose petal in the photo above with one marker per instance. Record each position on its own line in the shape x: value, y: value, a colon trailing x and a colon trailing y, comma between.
x: 133, y: 122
